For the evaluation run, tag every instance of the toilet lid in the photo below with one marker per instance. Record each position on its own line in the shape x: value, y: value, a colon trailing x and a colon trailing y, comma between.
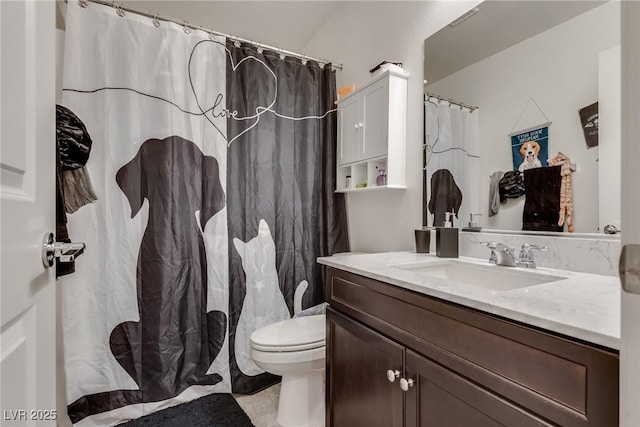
x: 302, y: 333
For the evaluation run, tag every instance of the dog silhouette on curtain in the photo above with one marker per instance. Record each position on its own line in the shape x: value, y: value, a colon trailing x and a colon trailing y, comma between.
x: 445, y: 196
x: 176, y: 340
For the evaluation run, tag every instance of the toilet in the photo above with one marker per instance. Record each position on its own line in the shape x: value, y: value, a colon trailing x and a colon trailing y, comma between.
x: 295, y: 349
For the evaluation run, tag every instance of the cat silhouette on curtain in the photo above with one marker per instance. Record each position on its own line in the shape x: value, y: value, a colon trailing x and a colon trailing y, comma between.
x: 264, y: 302
x: 445, y: 196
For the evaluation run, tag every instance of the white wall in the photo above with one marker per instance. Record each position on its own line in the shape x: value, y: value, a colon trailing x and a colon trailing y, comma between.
x: 360, y: 35
x: 609, y: 137
x: 559, y: 69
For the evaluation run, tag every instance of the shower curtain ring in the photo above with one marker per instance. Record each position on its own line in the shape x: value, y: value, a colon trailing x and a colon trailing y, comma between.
x: 211, y: 36
x: 156, y: 21
x: 83, y: 4
x: 282, y: 55
x: 119, y: 10
x: 185, y: 27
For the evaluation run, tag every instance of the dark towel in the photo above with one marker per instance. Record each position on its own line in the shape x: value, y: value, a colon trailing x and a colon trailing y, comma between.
x: 445, y: 196
x: 542, y: 202
x: 73, y: 187
x: 511, y: 186
x: 74, y: 147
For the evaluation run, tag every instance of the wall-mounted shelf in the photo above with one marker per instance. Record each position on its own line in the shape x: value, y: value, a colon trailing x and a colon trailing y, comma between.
x: 376, y: 188
x: 372, y: 134
x: 365, y: 172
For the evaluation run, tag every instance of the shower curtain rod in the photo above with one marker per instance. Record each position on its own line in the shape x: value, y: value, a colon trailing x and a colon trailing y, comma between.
x: 120, y: 9
x: 450, y: 101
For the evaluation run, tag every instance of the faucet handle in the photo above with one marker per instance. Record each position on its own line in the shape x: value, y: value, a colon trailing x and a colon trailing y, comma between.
x: 525, y: 251
x: 497, y: 246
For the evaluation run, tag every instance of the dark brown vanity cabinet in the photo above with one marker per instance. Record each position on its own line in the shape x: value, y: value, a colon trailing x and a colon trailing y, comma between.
x: 359, y: 358
x: 400, y: 358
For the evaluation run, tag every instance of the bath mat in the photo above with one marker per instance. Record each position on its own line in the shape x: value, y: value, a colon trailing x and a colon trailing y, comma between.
x: 214, y: 410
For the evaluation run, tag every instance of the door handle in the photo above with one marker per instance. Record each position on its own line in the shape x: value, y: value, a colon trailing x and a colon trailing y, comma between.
x: 629, y: 268
x: 64, y: 252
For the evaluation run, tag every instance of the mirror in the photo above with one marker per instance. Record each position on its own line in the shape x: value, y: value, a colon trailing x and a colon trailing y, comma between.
x: 524, y: 65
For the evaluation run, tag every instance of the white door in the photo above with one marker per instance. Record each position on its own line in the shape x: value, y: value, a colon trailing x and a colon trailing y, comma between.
x: 27, y: 211
x: 630, y: 321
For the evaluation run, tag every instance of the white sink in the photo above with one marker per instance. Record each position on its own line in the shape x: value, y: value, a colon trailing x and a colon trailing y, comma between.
x: 490, y: 276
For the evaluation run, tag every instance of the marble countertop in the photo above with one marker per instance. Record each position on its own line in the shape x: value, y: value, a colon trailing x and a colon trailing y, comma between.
x: 581, y: 305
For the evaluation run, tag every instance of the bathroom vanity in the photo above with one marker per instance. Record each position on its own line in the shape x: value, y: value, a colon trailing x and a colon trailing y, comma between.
x: 410, y: 344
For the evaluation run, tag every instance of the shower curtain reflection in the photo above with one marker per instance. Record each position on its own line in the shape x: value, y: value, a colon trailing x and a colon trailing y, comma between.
x: 452, y: 143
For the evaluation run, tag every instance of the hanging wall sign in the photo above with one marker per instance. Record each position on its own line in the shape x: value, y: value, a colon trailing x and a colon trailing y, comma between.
x: 589, y: 121
x: 529, y: 149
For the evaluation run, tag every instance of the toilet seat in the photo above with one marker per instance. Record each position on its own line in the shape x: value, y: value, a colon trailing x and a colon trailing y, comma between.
x: 298, y: 334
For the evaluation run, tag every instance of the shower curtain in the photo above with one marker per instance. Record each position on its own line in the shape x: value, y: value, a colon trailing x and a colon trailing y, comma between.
x: 213, y: 167
x: 452, y: 140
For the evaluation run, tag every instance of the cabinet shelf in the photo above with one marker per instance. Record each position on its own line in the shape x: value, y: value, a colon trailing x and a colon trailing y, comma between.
x: 374, y: 188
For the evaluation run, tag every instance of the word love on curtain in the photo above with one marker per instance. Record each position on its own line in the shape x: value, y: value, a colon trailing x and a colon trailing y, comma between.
x: 213, y: 170
x: 452, y: 141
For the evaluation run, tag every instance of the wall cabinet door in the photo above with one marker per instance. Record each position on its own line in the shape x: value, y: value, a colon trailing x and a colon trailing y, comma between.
x: 358, y: 391
x: 439, y: 397
x: 351, y: 131
x: 375, y: 113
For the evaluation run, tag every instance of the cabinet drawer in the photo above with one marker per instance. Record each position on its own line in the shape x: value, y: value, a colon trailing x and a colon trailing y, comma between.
x: 567, y: 382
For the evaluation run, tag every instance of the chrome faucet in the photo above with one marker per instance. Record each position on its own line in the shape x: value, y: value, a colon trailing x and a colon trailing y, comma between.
x: 502, y: 254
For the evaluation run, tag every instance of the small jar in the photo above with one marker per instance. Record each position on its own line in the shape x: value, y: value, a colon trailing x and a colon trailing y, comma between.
x: 381, y: 179
x: 347, y: 182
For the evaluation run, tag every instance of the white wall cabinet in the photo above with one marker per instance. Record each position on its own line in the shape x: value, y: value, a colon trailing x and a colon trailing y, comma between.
x: 372, y: 124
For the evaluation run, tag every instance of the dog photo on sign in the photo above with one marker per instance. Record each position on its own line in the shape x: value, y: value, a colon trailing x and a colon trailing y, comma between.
x: 530, y: 149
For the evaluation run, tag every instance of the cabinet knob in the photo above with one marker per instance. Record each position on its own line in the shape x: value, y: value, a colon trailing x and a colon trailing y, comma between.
x: 406, y: 384
x: 392, y: 375
x: 355, y: 126
x: 360, y: 125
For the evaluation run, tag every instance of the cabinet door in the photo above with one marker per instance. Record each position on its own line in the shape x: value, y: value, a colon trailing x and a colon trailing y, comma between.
x: 350, y: 130
x: 375, y: 100
x: 358, y: 391
x: 441, y: 398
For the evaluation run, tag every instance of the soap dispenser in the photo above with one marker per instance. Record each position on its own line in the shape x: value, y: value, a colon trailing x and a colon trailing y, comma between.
x: 447, y: 238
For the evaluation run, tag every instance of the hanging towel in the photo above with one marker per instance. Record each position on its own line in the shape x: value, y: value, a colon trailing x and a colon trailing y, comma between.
x: 446, y: 196
x: 511, y: 186
x: 494, y: 193
x: 74, y: 147
x: 542, y: 201
x: 566, y: 196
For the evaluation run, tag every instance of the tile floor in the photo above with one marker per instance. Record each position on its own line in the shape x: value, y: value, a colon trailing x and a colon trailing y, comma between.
x: 261, y: 407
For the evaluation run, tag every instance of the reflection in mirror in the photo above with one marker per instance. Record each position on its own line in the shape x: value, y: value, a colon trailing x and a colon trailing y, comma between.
x: 504, y: 90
